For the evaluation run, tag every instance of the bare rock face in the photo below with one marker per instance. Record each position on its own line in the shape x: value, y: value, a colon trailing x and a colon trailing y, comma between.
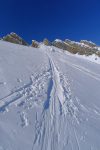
x: 14, y: 38
x: 63, y: 45
x: 60, y: 44
x: 89, y: 43
x: 98, y: 53
x: 75, y: 47
x: 83, y: 48
x: 46, y: 42
x: 35, y: 44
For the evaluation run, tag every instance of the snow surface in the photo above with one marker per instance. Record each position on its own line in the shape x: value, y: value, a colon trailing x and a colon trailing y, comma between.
x: 49, y: 100
x: 58, y: 40
x: 98, y: 48
x: 93, y: 58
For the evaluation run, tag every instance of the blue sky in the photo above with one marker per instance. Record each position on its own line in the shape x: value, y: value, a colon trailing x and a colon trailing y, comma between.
x: 39, y: 19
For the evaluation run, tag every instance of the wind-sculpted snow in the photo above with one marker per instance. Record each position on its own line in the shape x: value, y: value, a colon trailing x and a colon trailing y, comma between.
x: 49, y: 100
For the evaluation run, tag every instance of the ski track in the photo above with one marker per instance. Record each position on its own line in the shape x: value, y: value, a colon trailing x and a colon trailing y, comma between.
x: 84, y: 70
x: 60, y: 107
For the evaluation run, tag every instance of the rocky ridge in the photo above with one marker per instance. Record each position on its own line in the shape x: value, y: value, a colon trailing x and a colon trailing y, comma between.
x: 14, y: 38
x: 83, y: 47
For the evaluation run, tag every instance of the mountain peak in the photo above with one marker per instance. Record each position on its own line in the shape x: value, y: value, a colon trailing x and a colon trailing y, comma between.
x: 14, y: 38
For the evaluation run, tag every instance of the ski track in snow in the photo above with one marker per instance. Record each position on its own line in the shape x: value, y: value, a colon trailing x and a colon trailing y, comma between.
x: 61, y: 112
x: 85, y: 71
x: 60, y: 106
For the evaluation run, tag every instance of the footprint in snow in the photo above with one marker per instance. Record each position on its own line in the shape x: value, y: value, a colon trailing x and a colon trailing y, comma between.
x: 24, y: 119
x: 19, y: 80
x: 3, y: 83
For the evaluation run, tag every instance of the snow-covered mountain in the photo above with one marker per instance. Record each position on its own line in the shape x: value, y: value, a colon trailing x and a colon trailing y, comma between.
x: 49, y: 99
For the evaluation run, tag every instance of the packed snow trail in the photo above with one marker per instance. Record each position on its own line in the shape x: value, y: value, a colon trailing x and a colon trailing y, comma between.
x: 49, y: 99
x: 58, y: 105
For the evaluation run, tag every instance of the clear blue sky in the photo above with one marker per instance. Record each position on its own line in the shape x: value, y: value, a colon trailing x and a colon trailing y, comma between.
x: 37, y: 19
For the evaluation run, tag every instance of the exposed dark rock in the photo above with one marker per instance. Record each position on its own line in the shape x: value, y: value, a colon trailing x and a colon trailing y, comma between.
x: 89, y: 43
x: 47, y: 42
x: 35, y: 44
x: 14, y: 38
x: 63, y: 45
x: 75, y: 47
x: 98, y: 53
x: 82, y: 48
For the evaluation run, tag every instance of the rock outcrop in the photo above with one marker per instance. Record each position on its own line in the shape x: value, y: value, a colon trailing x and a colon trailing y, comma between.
x: 83, y: 47
x: 47, y: 42
x: 98, y: 53
x: 35, y: 44
x: 76, y: 47
x: 14, y: 38
x: 63, y: 45
x: 88, y: 43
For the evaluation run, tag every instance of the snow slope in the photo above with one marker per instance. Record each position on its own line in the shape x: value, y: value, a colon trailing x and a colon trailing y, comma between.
x: 98, y: 48
x: 49, y: 100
